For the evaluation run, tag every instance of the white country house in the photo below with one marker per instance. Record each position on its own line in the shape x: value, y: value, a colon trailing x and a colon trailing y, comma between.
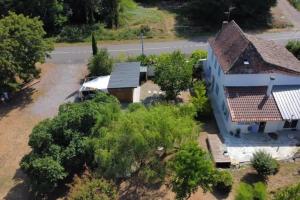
x: 254, y: 83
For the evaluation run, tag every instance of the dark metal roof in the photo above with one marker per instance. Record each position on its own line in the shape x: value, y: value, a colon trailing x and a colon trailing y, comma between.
x: 125, y: 75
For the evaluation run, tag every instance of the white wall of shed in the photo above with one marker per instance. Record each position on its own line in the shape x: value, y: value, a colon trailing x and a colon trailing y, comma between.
x: 137, y: 95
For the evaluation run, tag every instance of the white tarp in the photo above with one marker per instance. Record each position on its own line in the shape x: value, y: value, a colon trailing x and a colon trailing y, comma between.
x: 100, y: 83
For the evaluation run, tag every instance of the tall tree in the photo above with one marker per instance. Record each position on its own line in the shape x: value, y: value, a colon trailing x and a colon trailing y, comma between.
x: 51, y: 12
x: 94, y: 45
x: 112, y: 9
x: 22, y: 45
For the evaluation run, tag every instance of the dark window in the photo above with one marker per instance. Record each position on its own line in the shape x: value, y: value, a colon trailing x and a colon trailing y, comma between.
x: 217, y: 89
x: 290, y: 124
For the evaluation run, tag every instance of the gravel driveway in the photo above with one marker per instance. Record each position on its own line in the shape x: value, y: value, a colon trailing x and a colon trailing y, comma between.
x: 60, y: 79
x: 290, y: 12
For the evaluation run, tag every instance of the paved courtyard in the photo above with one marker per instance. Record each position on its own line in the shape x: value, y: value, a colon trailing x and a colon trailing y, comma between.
x: 241, y: 149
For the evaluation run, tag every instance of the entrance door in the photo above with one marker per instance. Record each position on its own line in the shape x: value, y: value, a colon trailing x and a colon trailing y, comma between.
x: 262, y: 126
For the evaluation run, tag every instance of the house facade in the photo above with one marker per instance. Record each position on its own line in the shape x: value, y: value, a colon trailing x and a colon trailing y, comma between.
x: 253, y: 83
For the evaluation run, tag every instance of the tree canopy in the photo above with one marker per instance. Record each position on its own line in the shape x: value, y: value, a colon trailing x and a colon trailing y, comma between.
x: 191, y: 167
x: 57, y: 13
x: 63, y: 141
x: 117, y: 144
x: 247, y: 13
x: 173, y: 73
x: 22, y: 45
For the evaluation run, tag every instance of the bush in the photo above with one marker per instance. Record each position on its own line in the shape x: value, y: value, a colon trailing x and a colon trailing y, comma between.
x: 264, y: 164
x: 100, y: 64
x: 248, y: 192
x: 224, y: 181
x: 200, y: 100
x: 244, y: 192
x: 294, y: 47
x: 197, y: 66
x: 288, y: 193
x: 92, y: 189
x: 260, y: 191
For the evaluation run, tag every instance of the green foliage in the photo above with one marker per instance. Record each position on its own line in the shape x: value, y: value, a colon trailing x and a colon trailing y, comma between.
x: 248, y: 192
x: 44, y: 173
x: 247, y: 13
x: 197, y: 66
x: 173, y: 73
x: 260, y: 191
x: 264, y: 164
x: 224, y: 181
x: 94, y: 45
x: 65, y: 141
x: 132, y: 142
x: 244, y: 192
x: 92, y: 189
x: 191, y: 167
x: 200, y: 99
x: 22, y: 45
x: 294, y: 47
x: 288, y: 193
x: 51, y: 12
x: 295, y: 3
x: 101, y: 64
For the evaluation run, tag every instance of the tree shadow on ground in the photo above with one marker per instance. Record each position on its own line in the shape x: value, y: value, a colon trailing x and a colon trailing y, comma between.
x: 19, y: 101
x: 252, y: 178
x: 136, y: 189
x: 219, y: 194
x: 21, y: 191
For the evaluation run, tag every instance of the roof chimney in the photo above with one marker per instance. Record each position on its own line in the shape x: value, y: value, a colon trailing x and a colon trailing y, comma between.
x: 224, y: 24
x: 270, y: 86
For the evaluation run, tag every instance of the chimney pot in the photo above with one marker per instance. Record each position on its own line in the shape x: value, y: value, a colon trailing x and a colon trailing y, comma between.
x: 270, y: 86
x: 224, y: 23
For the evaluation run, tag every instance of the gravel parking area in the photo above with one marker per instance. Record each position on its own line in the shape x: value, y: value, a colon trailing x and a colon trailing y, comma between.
x: 59, y: 84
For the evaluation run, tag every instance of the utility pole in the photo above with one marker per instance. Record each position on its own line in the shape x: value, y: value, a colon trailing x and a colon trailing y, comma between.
x: 142, y: 42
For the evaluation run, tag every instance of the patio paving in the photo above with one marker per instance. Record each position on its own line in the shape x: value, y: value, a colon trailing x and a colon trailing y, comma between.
x: 241, y: 149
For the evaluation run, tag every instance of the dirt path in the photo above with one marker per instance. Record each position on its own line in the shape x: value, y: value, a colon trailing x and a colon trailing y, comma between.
x: 18, y: 117
x: 290, y: 12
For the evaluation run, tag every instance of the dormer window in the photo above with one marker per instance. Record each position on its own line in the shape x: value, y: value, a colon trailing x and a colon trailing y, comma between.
x: 246, y: 62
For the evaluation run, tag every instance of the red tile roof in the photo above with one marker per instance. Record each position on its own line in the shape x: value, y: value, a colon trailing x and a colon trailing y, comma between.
x: 232, y: 46
x: 250, y: 104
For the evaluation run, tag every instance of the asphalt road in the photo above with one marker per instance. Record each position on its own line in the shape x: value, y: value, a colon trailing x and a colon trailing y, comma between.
x: 80, y: 54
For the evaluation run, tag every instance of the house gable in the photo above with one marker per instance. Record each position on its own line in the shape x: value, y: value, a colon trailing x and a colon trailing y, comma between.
x: 233, y: 48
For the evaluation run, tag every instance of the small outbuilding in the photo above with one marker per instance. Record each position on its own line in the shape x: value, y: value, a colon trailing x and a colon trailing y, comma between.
x: 124, y: 82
